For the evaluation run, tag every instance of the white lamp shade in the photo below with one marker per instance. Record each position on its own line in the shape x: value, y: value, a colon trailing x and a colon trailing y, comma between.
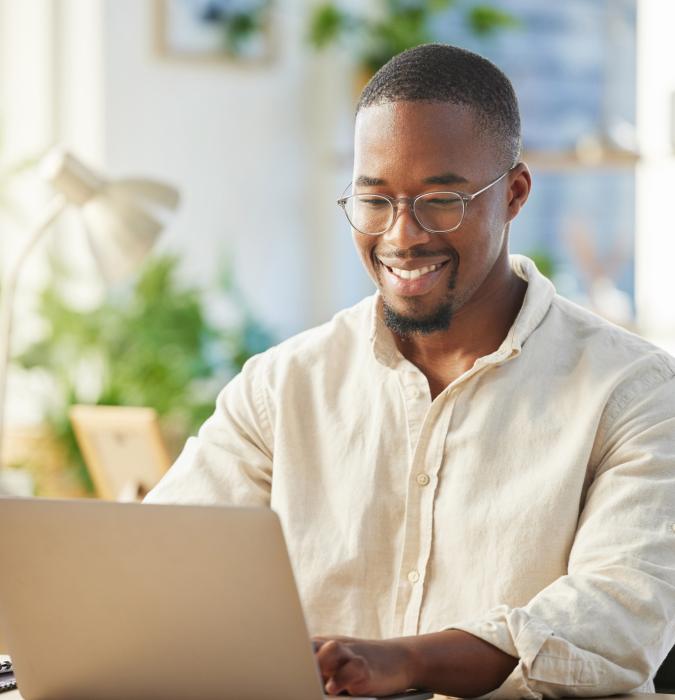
x: 123, y: 218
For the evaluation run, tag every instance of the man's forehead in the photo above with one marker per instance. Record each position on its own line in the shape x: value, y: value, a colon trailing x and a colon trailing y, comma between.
x: 433, y: 143
x: 390, y: 118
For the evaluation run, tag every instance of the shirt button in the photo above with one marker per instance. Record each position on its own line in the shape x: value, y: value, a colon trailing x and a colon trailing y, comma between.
x: 423, y: 479
x: 415, y: 393
x: 672, y: 527
x: 413, y: 576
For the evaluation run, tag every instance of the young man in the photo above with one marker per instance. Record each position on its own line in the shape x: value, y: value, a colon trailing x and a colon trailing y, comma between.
x: 475, y: 476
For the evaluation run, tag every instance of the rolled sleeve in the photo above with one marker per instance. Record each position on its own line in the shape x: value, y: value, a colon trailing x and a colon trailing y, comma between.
x: 230, y: 461
x: 606, y: 627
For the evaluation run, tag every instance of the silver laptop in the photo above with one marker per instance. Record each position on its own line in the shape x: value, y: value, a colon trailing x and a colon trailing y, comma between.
x: 102, y: 601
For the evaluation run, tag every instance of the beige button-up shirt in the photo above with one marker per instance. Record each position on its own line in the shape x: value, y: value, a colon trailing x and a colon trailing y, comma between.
x: 532, y: 503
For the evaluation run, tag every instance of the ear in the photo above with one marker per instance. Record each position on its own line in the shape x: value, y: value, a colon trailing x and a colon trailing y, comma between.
x: 520, y: 184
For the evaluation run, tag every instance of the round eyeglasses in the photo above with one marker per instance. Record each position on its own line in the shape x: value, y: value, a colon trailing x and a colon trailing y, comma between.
x: 435, y: 212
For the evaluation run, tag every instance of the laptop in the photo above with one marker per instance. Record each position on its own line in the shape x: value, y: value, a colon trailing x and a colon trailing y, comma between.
x: 103, y: 600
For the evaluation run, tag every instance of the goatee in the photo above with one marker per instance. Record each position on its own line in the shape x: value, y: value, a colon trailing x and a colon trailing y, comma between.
x: 404, y: 326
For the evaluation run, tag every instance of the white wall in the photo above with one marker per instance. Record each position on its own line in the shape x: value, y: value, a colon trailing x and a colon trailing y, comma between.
x: 252, y: 149
x: 231, y: 139
x: 247, y: 145
x: 655, y: 240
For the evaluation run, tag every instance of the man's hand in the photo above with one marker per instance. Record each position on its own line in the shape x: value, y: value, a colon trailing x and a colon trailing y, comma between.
x: 363, y: 667
x: 452, y: 662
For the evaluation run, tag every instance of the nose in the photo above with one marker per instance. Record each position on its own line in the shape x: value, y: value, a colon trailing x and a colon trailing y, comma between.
x: 405, y: 231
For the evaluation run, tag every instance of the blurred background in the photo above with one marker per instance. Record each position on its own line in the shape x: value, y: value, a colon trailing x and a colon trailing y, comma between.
x: 246, y: 108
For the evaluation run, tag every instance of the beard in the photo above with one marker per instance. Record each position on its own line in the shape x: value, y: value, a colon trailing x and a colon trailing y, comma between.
x: 405, y: 326
x: 439, y: 319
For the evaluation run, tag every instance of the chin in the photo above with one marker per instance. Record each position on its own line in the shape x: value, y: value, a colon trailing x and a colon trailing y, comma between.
x: 418, y: 322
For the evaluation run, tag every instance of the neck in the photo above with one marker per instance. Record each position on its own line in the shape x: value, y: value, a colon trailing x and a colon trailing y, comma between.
x: 478, y: 328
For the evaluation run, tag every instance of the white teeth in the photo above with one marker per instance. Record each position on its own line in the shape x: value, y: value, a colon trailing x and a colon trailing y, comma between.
x: 413, y: 274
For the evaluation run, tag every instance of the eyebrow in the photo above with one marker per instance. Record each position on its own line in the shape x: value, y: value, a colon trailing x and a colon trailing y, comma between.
x: 443, y: 179
x: 366, y: 181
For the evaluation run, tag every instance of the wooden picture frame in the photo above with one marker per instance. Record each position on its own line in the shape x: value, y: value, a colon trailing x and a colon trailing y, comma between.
x: 180, y: 33
x: 123, y: 448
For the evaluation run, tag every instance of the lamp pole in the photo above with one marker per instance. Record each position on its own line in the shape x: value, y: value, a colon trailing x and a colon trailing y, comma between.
x: 56, y: 206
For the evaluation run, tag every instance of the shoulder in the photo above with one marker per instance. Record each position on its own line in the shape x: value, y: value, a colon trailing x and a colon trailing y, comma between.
x: 610, y: 361
x: 603, y: 342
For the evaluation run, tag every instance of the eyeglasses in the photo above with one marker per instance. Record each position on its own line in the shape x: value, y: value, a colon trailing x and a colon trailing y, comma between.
x: 435, y: 212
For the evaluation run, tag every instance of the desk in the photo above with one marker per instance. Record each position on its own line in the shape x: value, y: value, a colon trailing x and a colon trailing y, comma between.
x: 15, y: 695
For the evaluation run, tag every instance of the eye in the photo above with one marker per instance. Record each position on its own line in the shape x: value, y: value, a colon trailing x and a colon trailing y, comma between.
x: 373, y: 202
x: 442, y: 201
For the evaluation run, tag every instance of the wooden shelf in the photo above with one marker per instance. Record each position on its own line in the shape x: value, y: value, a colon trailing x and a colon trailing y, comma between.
x: 573, y: 160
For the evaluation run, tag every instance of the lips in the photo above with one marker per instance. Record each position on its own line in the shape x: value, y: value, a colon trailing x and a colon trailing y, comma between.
x: 413, y: 274
x: 409, y: 278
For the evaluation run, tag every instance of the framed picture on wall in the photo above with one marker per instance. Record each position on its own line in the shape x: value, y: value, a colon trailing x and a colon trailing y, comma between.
x: 214, y: 30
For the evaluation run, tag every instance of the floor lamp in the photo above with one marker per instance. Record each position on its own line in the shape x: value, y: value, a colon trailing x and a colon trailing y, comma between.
x: 122, y: 221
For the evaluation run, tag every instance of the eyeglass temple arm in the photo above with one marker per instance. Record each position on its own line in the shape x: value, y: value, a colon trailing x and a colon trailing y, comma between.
x: 469, y: 197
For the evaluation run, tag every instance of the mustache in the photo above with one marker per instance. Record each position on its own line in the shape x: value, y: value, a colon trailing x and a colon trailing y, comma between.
x: 410, y: 253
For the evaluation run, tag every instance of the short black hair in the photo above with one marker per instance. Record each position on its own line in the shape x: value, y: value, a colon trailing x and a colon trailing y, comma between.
x: 444, y: 73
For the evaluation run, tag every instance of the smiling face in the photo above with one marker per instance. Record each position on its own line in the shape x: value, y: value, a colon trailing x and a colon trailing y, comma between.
x: 403, y: 149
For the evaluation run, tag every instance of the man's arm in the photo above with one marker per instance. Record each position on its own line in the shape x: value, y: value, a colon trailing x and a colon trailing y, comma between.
x: 230, y: 462
x: 452, y: 662
x: 606, y: 626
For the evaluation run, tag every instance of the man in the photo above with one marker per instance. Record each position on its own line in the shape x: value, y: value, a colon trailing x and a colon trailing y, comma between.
x: 474, y: 475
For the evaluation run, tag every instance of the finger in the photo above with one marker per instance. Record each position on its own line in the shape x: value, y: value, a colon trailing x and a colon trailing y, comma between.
x: 352, y: 677
x: 331, y: 656
x: 318, y: 642
x: 321, y: 639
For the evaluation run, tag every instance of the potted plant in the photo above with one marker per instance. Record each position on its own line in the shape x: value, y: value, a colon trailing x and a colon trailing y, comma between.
x: 151, y: 344
x: 399, y: 25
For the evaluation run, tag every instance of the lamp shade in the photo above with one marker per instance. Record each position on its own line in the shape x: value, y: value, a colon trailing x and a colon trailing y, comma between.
x: 122, y: 218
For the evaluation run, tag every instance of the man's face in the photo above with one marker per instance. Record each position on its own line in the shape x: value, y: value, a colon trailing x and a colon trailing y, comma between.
x: 403, y: 149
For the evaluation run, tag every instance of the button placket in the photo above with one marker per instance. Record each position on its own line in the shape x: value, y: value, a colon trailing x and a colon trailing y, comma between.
x: 427, y: 468
x: 415, y: 392
x: 427, y: 456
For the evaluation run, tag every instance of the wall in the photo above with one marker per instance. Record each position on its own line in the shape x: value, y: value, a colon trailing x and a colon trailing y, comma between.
x: 231, y: 138
x: 655, y: 281
x: 250, y: 147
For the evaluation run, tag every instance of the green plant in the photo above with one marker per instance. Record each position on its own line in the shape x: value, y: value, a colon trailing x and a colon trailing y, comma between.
x: 544, y: 261
x: 150, y: 345
x: 401, y: 25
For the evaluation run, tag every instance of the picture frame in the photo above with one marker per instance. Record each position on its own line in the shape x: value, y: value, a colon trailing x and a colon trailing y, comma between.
x: 123, y: 448
x: 215, y: 31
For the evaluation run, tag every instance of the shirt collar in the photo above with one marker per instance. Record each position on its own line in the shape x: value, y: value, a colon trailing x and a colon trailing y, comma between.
x: 537, y: 301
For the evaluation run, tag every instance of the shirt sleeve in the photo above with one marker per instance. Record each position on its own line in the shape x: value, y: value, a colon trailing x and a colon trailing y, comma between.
x: 230, y: 461
x: 607, y: 625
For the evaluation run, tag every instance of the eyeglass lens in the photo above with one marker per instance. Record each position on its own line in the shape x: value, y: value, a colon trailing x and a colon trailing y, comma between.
x: 435, y: 211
